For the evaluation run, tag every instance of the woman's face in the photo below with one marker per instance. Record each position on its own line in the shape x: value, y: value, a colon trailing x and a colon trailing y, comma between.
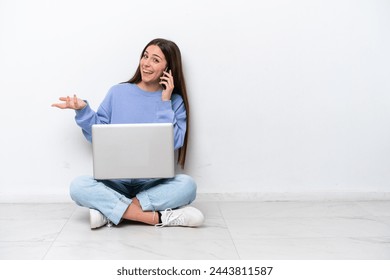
x: 152, y: 65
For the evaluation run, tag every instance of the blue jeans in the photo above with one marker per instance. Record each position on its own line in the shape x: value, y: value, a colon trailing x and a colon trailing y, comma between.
x: 113, y: 197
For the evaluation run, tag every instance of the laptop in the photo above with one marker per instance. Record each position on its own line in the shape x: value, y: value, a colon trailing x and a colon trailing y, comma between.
x: 127, y: 151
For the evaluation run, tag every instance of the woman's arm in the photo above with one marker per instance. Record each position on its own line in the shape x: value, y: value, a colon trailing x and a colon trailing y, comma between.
x: 174, y: 112
x: 85, y: 116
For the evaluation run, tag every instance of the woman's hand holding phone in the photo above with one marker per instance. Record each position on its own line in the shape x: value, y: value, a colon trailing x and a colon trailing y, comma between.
x: 167, y: 85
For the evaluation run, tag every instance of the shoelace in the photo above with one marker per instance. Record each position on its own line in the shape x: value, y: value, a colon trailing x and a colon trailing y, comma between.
x: 171, y: 219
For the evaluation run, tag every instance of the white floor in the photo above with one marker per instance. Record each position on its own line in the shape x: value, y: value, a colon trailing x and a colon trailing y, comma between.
x: 233, y: 230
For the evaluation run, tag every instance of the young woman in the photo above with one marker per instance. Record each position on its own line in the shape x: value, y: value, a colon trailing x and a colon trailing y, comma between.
x: 156, y: 93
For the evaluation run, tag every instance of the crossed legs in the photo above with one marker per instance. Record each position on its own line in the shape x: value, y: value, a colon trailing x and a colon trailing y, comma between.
x: 115, y: 205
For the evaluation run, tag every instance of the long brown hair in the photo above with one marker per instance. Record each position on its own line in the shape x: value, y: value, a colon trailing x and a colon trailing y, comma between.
x: 173, y: 56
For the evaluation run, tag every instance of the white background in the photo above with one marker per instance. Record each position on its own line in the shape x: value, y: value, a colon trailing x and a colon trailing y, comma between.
x: 286, y: 96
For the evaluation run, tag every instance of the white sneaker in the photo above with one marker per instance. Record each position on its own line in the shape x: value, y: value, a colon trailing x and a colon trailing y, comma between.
x: 96, y: 219
x: 186, y: 217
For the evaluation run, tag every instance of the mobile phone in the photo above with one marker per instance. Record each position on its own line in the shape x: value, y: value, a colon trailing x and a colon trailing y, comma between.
x: 166, y: 70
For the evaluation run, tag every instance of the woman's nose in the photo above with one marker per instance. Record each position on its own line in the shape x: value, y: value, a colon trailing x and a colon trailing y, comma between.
x: 147, y: 62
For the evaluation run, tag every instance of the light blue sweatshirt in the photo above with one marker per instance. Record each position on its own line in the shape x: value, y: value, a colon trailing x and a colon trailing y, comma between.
x: 127, y: 103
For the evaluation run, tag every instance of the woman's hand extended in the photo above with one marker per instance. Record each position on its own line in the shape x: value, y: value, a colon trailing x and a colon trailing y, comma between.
x: 70, y: 103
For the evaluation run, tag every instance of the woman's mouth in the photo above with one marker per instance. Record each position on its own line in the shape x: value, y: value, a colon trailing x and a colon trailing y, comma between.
x: 147, y: 72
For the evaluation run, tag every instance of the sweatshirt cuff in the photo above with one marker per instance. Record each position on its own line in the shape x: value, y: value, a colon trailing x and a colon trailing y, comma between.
x: 83, y: 113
